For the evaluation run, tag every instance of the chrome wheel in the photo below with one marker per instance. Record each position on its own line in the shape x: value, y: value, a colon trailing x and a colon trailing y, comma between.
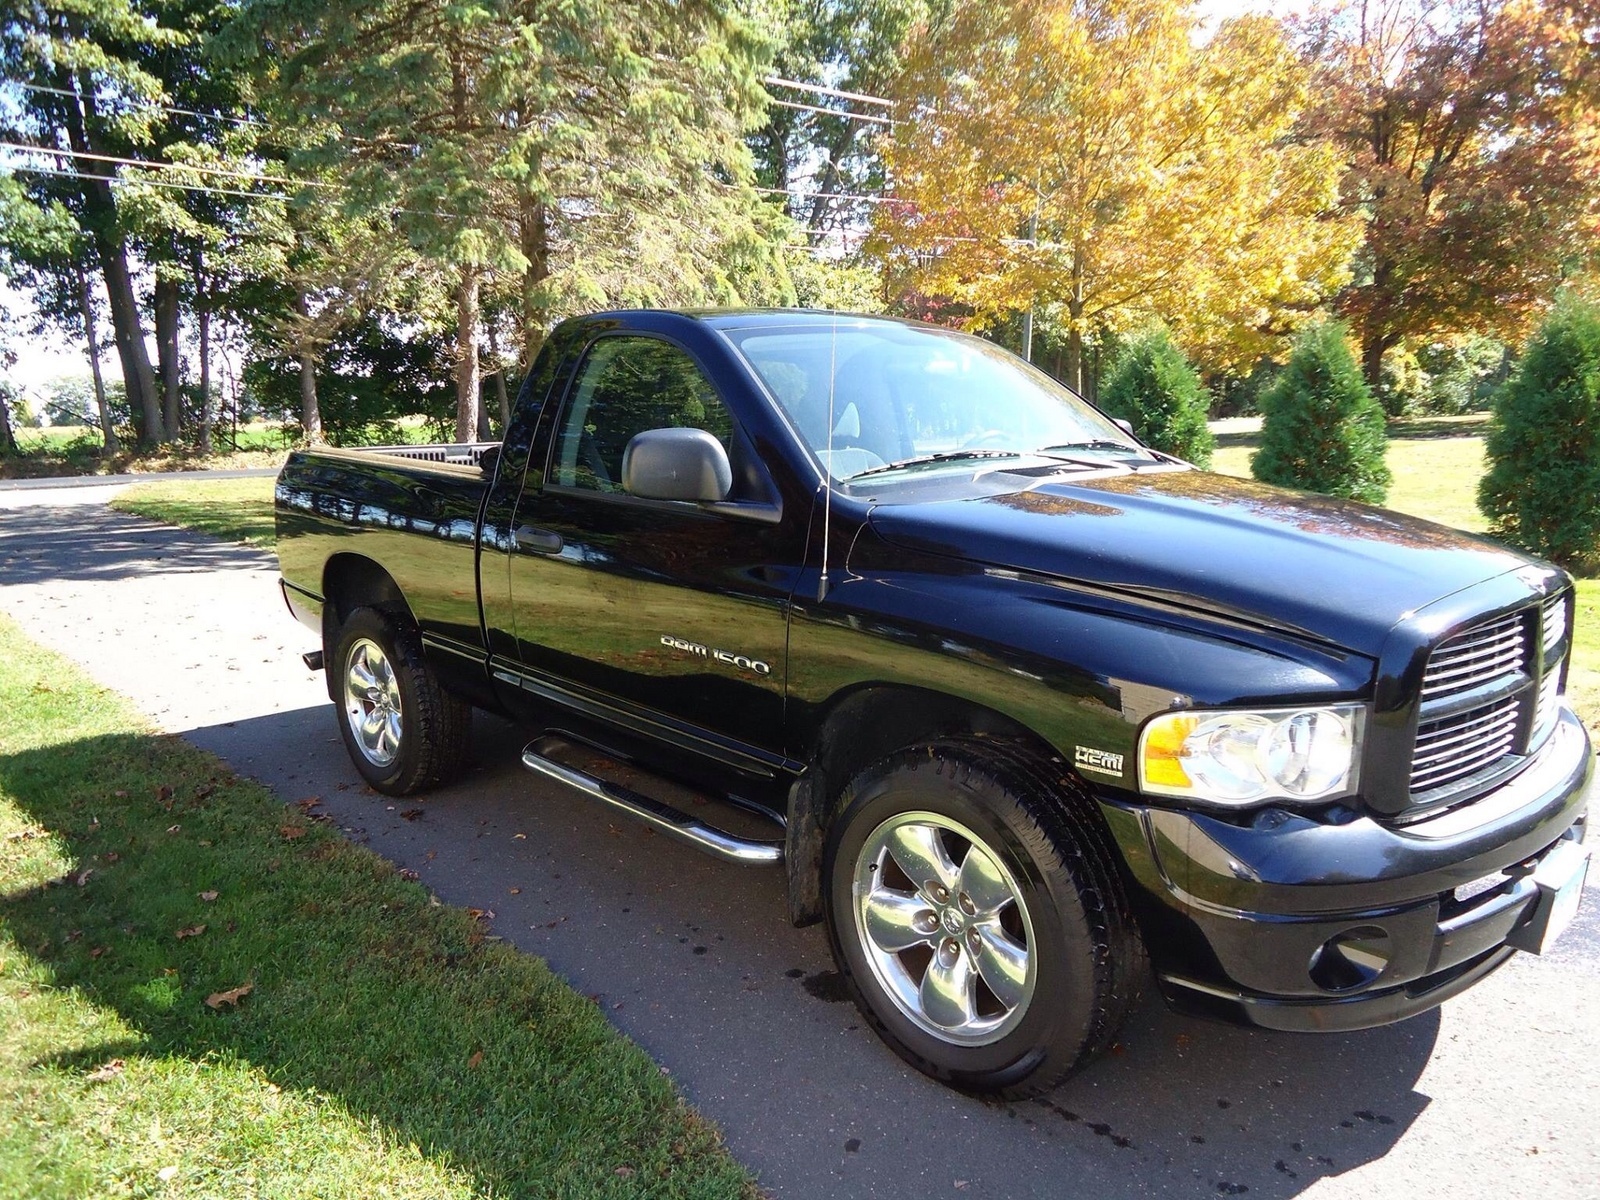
x: 944, y: 928
x: 372, y: 702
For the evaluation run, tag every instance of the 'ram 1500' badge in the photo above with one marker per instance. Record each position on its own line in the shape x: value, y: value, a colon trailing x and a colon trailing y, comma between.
x: 721, y: 656
x: 1101, y: 761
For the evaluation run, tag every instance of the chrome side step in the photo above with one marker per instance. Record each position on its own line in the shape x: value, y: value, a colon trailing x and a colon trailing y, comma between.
x: 660, y: 816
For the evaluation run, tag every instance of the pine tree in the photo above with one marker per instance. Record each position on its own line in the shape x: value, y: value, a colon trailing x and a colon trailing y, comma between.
x: 1323, y: 430
x: 1153, y: 386
x: 1542, y: 489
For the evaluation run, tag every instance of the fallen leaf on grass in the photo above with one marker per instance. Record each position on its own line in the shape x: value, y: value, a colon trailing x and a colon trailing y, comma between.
x: 481, y: 914
x: 409, y: 875
x: 290, y: 832
x: 164, y: 793
x: 112, y: 856
x: 106, y: 1071
x: 22, y: 835
x: 205, y: 791
x: 477, y: 1057
x: 208, y: 897
x: 624, y: 1172
x: 167, y: 1174
x: 99, y: 950
x: 174, y: 828
x: 82, y: 877
x: 231, y: 996
x: 191, y: 931
x: 120, y: 794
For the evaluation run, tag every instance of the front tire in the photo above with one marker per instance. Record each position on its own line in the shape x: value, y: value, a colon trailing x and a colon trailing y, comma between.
x: 975, y: 911
x: 403, y: 732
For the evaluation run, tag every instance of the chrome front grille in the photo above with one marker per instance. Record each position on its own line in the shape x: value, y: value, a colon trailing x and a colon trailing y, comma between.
x: 1463, y: 745
x: 1483, y: 654
x: 1459, y: 739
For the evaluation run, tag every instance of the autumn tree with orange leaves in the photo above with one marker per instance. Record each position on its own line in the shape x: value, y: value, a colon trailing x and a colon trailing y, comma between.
x: 1101, y: 162
x: 1473, y: 140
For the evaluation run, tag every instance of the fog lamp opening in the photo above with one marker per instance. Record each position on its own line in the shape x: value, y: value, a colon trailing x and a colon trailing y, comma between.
x: 1351, y: 960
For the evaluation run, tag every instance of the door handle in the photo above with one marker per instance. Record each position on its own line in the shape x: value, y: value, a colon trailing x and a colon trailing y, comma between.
x: 541, y: 541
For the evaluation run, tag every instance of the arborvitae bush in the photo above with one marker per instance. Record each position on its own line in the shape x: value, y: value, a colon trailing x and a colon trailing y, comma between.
x: 1154, y: 387
x: 1321, y: 429
x: 1542, y: 490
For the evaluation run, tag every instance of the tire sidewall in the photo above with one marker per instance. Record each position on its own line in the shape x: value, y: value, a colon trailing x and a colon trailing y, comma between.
x: 1059, y: 1018
x: 372, y: 625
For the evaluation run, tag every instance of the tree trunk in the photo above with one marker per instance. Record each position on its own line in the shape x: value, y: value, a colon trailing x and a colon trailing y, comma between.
x: 166, y: 306
x: 310, y: 414
x: 108, y: 428
x: 467, y: 378
x: 8, y: 440
x: 535, y: 231
x: 499, y: 377
x: 202, y: 313
x: 100, y: 211
x: 1373, y: 347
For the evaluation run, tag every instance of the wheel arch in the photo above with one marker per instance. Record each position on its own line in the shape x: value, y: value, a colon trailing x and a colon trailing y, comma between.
x: 868, y: 722
x: 352, y: 581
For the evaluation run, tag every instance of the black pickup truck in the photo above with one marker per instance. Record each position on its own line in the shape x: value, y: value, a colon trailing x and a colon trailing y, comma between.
x: 1027, y: 711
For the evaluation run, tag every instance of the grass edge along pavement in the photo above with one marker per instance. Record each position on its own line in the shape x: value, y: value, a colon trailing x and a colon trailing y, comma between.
x: 204, y: 992
x: 237, y: 510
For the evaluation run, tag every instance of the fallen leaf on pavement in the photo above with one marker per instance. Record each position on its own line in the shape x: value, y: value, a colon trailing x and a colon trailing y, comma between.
x: 231, y: 996
x: 411, y: 814
x: 515, y: 891
x: 308, y: 803
x: 106, y: 1071
x: 191, y: 931
x: 481, y: 914
x: 408, y: 875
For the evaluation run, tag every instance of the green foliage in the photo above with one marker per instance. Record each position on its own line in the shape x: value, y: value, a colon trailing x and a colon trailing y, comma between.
x: 1153, y: 386
x: 1323, y: 430
x: 369, y: 377
x: 1542, y: 490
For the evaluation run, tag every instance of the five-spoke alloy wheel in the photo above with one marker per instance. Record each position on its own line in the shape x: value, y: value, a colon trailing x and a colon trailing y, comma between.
x: 404, y: 732
x: 975, y: 911
x: 947, y: 940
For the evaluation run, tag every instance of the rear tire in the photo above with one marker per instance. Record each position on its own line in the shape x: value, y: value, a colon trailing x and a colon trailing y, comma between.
x: 975, y: 910
x: 403, y: 732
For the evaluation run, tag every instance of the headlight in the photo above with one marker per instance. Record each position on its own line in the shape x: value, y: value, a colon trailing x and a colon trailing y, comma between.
x: 1233, y: 757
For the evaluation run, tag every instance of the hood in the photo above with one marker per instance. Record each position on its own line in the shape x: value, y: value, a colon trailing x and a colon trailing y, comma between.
x: 1335, y: 570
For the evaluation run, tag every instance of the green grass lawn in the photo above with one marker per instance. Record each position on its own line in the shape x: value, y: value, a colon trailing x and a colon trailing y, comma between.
x: 204, y: 993
x: 239, y: 510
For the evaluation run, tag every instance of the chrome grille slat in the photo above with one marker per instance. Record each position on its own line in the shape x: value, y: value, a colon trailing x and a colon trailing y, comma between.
x: 1553, y: 621
x: 1437, y: 748
x: 1452, y: 748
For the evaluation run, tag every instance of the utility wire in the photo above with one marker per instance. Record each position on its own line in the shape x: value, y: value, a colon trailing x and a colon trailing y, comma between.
x: 140, y: 105
x: 182, y: 187
x: 818, y: 89
x: 834, y: 112
x: 145, y: 164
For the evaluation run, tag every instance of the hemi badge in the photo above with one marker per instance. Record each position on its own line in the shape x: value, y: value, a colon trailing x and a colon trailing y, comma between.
x: 1102, y: 762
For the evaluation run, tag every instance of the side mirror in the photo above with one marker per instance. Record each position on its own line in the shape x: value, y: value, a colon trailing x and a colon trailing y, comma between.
x: 1125, y: 425
x: 676, y: 464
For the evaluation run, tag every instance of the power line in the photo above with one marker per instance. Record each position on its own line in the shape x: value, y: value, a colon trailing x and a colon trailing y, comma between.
x: 834, y: 112
x: 145, y: 164
x: 817, y: 88
x: 800, y: 194
x: 182, y: 187
x: 141, y: 105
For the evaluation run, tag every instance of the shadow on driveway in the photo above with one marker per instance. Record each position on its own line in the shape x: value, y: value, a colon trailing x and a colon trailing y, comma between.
x: 89, y: 542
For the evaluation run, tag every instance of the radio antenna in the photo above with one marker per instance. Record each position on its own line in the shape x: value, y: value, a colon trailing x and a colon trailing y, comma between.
x: 827, y: 473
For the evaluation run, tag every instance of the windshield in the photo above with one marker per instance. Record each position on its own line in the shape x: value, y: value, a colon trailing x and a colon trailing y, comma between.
x: 916, y: 400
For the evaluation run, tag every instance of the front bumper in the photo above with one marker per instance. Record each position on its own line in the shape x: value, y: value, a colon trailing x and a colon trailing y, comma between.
x: 1291, y: 922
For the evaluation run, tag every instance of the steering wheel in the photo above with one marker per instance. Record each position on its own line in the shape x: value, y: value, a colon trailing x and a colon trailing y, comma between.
x: 989, y: 439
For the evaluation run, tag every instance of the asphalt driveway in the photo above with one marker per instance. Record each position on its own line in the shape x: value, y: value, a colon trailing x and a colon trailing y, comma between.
x: 1497, y: 1094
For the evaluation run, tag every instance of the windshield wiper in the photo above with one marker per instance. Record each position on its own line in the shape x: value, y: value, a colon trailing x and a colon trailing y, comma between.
x: 1095, y: 444
x: 946, y: 456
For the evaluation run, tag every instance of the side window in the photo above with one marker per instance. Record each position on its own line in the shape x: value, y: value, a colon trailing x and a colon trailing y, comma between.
x: 624, y: 386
